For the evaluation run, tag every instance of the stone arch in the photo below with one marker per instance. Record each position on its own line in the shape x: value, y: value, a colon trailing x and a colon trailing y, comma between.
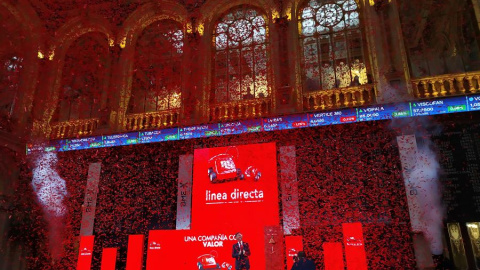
x: 210, y: 13
x: 146, y: 15
x: 127, y: 39
x: 67, y: 34
x: 77, y: 27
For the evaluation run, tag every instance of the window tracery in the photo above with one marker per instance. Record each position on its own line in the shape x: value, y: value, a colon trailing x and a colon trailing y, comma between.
x: 240, y: 41
x: 157, y: 80
x: 332, y: 45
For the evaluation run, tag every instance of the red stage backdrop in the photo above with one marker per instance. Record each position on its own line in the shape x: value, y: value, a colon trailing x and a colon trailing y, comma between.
x: 85, y: 252
x: 109, y: 259
x: 234, y: 190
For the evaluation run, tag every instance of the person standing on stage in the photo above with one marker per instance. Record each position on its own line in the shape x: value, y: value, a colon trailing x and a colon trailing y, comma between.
x: 241, y: 251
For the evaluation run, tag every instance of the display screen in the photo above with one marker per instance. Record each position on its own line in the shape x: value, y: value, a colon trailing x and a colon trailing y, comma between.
x: 343, y: 116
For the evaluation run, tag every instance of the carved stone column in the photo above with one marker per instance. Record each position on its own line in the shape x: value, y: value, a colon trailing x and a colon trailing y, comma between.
x: 285, y: 98
x: 122, y: 77
x: 387, y: 51
x: 111, y: 98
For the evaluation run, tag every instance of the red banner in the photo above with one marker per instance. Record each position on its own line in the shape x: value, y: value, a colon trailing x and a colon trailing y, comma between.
x: 293, y: 244
x: 354, y: 246
x: 236, y: 190
x: 135, y: 252
x: 189, y: 249
x: 154, y: 249
x: 333, y: 256
x: 109, y: 258
x: 85, y: 252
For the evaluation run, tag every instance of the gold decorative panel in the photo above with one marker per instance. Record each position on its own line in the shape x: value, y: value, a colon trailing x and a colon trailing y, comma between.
x: 161, y: 119
x: 73, y: 128
x: 339, y: 98
x: 456, y: 243
x: 474, y: 235
x: 240, y: 109
x: 447, y: 85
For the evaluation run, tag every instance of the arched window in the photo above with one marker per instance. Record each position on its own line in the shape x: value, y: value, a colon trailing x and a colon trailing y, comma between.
x: 446, y: 41
x: 157, y: 79
x: 84, y: 78
x: 332, y: 45
x: 240, y: 41
x: 9, y: 80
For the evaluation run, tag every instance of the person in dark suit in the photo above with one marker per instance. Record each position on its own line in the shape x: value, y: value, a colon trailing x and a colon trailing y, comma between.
x: 241, y: 251
x: 303, y: 262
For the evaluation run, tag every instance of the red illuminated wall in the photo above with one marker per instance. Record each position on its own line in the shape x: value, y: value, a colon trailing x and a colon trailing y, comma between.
x: 247, y: 202
x: 352, y: 174
x: 346, y: 174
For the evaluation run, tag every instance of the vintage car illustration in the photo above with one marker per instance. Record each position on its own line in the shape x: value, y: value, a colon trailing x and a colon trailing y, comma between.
x: 223, y: 167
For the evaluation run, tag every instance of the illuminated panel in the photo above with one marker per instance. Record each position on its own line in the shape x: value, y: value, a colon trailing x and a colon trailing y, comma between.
x: 83, y: 143
x: 163, y: 135
x: 333, y: 117
x: 85, y: 252
x: 288, y: 122
x: 235, y: 189
x: 241, y: 127
x: 382, y: 112
x: 343, y: 116
x: 155, y: 249
x: 109, y: 258
x: 473, y: 103
x: 293, y: 244
x: 439, y: 106
x: 333, y: 256
x: 190, y: 249
x: 121, y: 139
x: 201, y: 131
x: 135, y: 252
x: 354, y: 246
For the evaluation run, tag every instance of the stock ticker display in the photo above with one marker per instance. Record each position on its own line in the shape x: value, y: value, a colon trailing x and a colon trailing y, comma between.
x: 324, y: 118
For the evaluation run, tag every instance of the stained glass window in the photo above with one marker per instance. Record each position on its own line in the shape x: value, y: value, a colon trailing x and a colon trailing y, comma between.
x: 240, y: 41
x: 332, y: 45
x: 157, y: 80
x: 85, y: 78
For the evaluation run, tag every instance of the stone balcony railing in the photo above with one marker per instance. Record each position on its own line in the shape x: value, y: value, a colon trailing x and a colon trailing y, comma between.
x: 447, y: 85
x: 152, y: 120
x: 339, y: 97
x: 241, y: 109
x: 73, y: 128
